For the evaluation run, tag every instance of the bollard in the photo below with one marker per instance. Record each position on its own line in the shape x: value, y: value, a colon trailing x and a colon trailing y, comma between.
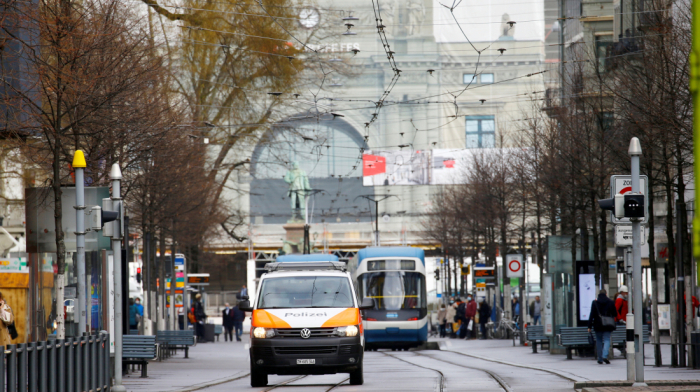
x: 85, y: 360
x: 70, y: 365
x: 2, y: 369
x: 60, y: 346
x: 33, y: 362
x: 630, y: 347
x: 22, y: 370
x: 12, y: 368
x: 43, y: 366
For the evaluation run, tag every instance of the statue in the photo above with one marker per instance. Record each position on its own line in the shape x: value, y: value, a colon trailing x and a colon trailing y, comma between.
x: 507, y: 29
x: 298, y: 190
x: 416, y: 16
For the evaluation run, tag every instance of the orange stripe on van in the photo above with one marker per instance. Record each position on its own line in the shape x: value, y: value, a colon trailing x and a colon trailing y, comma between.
x: 262, y: 318
x: 350, y: 316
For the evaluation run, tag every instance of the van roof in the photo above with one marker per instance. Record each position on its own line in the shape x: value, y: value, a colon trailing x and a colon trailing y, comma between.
x: 299, y: 258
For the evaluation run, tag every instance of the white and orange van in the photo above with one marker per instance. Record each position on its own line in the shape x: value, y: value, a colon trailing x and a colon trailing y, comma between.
x: 306, y: 320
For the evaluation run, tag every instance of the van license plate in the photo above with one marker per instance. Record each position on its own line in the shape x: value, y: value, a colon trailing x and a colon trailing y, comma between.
x: 306, y: 361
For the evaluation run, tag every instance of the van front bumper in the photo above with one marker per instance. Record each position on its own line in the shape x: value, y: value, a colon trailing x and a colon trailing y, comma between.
x: 330, y: 354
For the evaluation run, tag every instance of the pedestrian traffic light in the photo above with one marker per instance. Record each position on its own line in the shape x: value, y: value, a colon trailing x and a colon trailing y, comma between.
x: 634, y: 206
x: 466, y: 270
x: 437, y: 274
x: 138, y: 275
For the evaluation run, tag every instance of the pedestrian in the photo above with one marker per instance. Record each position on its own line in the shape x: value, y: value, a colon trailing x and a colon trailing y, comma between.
x: 536, y: 310
x: 450, y: 317
x: 461, y: 316
x: 243, y: 293
x: 515, y: 306
x: 484, y: 315
x: 442, y: 320
x: 227, y: 316
x: 8, y: 321
x: 139, y: 307
x: 471, y: 316
x: 133, y: 315
x: 602, y: 320
x: 200, y: 317
x: 238, y: 317
x: 621, y: 306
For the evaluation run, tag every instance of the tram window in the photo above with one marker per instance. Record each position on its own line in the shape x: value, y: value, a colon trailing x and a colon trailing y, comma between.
x: 394, y: 290
x: 378, y: 265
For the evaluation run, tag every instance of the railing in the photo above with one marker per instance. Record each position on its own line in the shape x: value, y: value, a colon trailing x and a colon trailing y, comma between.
x: 70, y: 365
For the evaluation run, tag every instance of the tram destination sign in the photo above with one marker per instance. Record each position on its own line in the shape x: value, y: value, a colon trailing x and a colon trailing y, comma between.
x: 484, y: 272
x: 198, y: 279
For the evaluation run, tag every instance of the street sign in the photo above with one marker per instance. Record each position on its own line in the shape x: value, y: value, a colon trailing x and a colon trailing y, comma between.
x: 514, y: 264
x: 623, y: 235
x: 622, y: 184
x: 198, y: 279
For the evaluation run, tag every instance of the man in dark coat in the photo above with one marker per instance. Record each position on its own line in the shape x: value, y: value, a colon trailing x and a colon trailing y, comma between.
x: 602, y: 307
x: 201, y: 317
x: 238, y: 317
x: 484, y: 315
x: 227, y: 317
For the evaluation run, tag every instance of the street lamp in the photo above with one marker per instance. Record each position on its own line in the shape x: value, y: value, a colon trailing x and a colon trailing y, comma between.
x: 376, y: 199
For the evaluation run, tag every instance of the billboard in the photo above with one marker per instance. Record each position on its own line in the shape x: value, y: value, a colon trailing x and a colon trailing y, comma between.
x: 425, y: 167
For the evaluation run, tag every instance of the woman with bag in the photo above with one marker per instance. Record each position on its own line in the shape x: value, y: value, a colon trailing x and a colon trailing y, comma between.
x: 602, y: 320
x: 8, y: 332
x: 442, y: 320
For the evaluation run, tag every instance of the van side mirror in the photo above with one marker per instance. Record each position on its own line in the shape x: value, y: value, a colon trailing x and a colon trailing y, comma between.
x: 367, y: 303
x: 245, y: 305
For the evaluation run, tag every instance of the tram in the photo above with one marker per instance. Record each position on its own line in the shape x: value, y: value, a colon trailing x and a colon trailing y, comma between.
x: 394, y: 277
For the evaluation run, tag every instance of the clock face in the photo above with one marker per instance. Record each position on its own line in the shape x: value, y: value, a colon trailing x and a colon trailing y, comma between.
x: 309, y: 17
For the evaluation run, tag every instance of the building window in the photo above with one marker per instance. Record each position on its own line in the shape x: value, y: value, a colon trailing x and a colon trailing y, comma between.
x: 469, y: 78
x: 601, y: 50
x: 481, y: 132
x: 486, y: 78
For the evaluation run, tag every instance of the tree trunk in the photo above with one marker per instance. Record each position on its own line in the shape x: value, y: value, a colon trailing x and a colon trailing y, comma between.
x: 60, y: 240
x: 654, y: 276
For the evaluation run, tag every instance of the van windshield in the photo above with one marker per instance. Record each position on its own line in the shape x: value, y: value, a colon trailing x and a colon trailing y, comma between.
x: 305, y: 292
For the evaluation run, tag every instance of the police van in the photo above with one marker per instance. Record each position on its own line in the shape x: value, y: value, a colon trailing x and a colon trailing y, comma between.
x: 306, y: 320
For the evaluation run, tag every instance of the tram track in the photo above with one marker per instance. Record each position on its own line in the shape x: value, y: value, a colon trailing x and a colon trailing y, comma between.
x: 441, y: 384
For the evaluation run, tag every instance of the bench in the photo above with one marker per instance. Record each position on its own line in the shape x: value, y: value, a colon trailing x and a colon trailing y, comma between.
x: 535, y: 334
x: 139, y: 349
x: 577, y: 338
x: 218, y: 330
x: 174, y: 340
x: 619, y: 337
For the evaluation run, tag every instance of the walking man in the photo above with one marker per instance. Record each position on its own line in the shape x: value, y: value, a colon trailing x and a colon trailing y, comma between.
x: 227, y: 317
x: 200, y: 317
x: 484, y: 315
x: 536, y: 310
x: 602, y: 320
x: 238, y: 317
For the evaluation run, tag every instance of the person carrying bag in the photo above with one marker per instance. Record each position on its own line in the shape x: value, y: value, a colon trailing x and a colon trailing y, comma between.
x: 602, y: 320
x: 8, y: 332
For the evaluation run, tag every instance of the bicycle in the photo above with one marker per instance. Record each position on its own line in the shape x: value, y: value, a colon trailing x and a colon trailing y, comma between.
x: 506, y: 328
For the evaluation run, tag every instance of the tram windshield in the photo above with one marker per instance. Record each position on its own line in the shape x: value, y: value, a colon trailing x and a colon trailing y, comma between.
x: 394, y: 290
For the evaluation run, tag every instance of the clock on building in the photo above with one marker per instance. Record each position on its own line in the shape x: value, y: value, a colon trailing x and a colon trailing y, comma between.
x: 309, y: 17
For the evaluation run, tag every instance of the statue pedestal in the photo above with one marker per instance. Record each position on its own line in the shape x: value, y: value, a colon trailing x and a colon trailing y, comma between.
x: 295, y: 235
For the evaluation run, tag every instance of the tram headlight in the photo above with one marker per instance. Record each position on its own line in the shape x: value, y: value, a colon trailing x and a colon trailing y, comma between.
x: 350, y: 330
x: 263, y: 333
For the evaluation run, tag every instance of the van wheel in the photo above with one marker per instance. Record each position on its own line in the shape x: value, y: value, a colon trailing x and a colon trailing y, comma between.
x: 356, y: 377
x: 257, y: 378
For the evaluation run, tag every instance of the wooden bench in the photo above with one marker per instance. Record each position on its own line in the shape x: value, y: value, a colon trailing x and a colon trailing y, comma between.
x: 176, y: 340
x: 139, y: 349
x: 218, y: 330
x: 577, y: 338
x: 573, y: 338
x: 619, y: 337
x: 535, y: 334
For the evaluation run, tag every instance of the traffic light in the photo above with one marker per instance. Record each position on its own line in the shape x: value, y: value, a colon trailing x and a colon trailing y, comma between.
x: 99, y: 217
x: 437, y: 274
x: 614, y: 204
x: 634, y: 206
x: 138, y: 275
x: 466, y: 270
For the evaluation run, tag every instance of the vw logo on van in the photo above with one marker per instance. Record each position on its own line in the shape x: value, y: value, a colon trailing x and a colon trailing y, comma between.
x: 305, y: 333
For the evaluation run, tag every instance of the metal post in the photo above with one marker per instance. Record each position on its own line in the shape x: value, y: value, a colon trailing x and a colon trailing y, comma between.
x: 116, y: 176
x: 376, y: 222
x: 635, y: 150
x: 79, y: 167
x: 630, y: 347
x: 680, y: 288
x: 173, y: 284
x: 33, y: 362
x: 147, y: 253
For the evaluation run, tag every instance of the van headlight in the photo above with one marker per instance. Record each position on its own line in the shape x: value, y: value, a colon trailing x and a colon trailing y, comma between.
x: 350, y: 330
x: 263, y: 333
